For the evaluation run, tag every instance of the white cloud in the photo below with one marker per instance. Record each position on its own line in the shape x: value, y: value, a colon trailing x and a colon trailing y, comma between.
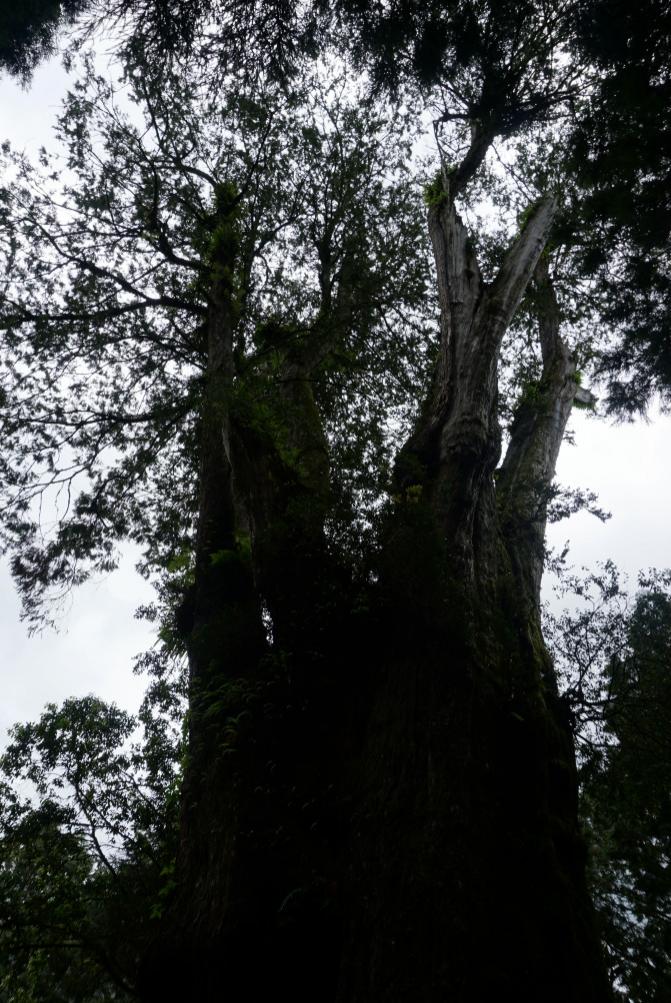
x: 92, y: 652
x: 627, y: 465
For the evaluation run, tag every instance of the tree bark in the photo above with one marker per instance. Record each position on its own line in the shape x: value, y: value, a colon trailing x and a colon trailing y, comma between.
x: 259, y: 784
x: 467, y: 845
x: 380, y: 801
x: 539, y: 423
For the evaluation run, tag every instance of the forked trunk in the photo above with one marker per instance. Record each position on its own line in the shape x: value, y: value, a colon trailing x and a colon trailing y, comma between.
x: 381, y: 804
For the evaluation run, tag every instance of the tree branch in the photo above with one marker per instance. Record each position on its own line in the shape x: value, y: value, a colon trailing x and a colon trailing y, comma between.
x: 504, y: 295
x: 526, y: 475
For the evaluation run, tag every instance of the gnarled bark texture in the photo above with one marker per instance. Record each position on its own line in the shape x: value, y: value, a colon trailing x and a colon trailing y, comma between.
x: 380, y: 797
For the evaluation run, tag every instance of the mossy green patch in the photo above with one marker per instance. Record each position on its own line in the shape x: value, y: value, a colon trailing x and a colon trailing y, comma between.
x: 434, y: 193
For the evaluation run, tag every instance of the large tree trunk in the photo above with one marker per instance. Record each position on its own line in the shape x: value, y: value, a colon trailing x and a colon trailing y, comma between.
x: 468, y: 857
x: 380, y: 800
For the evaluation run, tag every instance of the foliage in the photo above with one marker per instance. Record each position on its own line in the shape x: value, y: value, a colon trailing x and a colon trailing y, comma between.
x: 620, y: 154
x: 584, y: 75
x: 88, y: 813
x: 242, y: 169
x: 434, y: 192
x: 614, y: 656
x: 29, y: 32
x: 254, y: 36
x: 106, y: 292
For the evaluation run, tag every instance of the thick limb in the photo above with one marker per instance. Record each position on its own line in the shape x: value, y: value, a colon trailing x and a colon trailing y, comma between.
x: 456, y: 445
x: 526, y: 475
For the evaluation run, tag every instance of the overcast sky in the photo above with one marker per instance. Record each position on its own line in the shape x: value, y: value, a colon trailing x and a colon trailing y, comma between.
x: 627, y: 465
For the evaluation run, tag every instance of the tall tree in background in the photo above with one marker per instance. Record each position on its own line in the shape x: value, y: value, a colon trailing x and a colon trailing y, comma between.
x: 634, y: 776
x: 421, y: 838
x: 379, y: 798
x: 613, y: 655
x: 621, y: 156
x: 87, y: 833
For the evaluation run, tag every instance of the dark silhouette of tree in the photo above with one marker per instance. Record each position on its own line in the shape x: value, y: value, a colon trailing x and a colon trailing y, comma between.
x: 88, y: 824
x: 30, y: 32
x: 219, y: 343
x: 614, y: 656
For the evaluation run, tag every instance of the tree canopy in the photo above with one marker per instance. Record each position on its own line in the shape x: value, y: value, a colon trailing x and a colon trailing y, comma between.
x: 597, y: 70
x: 302, y: 305
x: 88, y: 826
x: 106, y: 294
x: 612, y: 652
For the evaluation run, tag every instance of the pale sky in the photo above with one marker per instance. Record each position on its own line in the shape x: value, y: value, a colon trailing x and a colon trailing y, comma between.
x: 628, y: 466
x: 98, y: 636
x: 93, y: 651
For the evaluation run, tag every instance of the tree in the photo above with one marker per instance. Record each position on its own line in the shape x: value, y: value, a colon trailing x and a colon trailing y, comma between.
x: 69, y: 931
x: 626, y: 235
x: 613, y: 655
x: 29, y: 33
x: 88, y: 817
x: 267, y: 36
x: 379, y: 797
x: 619, y: 87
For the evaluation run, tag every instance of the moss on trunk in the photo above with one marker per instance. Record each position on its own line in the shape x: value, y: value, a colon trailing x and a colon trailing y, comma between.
x: 380, y: 799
